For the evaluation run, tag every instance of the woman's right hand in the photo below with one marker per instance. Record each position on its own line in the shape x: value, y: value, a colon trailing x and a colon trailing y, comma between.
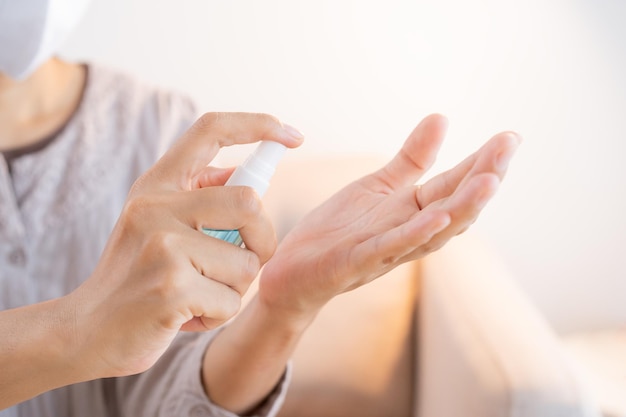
x: 159, y: 273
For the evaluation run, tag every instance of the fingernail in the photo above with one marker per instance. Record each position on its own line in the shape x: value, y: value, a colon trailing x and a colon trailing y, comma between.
x: 504, y: 157
x: 293, y: 132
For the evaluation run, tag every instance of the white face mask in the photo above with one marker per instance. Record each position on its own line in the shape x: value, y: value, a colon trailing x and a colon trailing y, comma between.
x: 31, y: 31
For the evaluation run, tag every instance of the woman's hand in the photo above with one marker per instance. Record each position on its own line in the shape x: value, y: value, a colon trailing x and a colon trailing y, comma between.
x: 383, y: 220
x: 159, y: 273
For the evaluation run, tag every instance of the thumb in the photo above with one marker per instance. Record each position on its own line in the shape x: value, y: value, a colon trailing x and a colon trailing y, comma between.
x: 199, y: 145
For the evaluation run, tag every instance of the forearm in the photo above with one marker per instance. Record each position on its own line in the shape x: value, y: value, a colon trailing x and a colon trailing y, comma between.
x: 35, y: 351
x: 247, y: 359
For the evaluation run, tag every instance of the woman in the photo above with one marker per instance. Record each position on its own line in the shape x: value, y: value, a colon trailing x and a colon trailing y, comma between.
x: 104, y: 262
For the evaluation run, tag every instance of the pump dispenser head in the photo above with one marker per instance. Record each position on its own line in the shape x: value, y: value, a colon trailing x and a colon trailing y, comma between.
x: 258, y: 169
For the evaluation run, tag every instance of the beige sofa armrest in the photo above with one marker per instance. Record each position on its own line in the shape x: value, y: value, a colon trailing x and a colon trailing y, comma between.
x: 484, y: 348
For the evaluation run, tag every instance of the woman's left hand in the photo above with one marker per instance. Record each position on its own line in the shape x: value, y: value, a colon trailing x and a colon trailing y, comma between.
x: 382, y: 220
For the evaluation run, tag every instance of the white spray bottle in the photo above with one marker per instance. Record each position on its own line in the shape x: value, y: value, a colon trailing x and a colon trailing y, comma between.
x: 255, y: 172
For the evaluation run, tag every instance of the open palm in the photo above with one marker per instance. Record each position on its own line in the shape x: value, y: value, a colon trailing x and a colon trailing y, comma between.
x: 383, y: 219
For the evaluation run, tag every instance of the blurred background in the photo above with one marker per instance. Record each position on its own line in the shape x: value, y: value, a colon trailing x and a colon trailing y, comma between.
x: 357, y: 76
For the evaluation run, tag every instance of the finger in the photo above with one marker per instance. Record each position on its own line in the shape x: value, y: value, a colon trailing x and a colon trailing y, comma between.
x: 494, y: 156
x: 201, y: 142
x: 209, y: 304
x: 220, y: 261
x: 465, y: 205
x: 221, y: 208
x: 388, y: 248
x: 228, y: 208
x: 417, y: 154
x: 201, y: 324
x: 211, y: 176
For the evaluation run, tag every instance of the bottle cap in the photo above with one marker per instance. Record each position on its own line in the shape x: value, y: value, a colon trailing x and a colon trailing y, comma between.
x: 258, y: 169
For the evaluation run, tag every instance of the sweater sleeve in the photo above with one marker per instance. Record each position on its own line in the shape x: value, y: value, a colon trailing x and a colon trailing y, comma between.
x: 173, y: 386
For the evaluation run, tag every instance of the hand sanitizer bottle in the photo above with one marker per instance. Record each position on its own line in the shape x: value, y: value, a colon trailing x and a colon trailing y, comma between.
x: 255, y: 172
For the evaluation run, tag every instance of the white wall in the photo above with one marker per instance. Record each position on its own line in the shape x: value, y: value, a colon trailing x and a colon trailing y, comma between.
x: 358, y: 75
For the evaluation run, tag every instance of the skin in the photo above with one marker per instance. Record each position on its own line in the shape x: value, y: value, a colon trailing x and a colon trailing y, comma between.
x: 334, y: 250
x: 37, y: 107
x: 158, y: 274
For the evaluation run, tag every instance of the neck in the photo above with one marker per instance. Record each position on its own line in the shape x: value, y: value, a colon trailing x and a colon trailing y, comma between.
x: 35, y: 108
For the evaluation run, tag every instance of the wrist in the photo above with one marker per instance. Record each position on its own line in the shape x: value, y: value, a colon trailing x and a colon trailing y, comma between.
x: 247, y: 358
x: 64, y: 355
x: 40, y: 351
x: 287, y: 318
x: 286, y: 299
x: 70, y: 346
